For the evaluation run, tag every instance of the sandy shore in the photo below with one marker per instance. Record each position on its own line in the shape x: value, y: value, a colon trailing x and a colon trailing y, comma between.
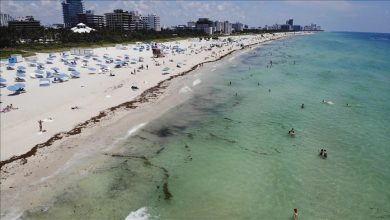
x: 102, y: 100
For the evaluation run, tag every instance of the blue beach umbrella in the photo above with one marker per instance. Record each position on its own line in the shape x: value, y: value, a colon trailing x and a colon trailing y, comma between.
x: 76, y: 73
x: 92, y: 68
x: 13, y: 88
x: 44, y: 82
x: 39, y: 71
x: 16, y: 87
x: 62, y: 75
x: 21, y: 75
x: 21, y: 85
x: 2, y: 79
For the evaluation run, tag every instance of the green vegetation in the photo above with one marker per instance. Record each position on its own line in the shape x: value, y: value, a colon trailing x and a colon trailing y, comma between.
x: 28, y: 42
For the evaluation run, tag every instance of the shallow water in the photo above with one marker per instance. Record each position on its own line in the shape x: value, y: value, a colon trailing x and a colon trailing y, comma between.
x: 227, y: 156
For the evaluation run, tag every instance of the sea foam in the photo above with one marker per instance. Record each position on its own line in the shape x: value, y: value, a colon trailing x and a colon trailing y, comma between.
x: 140, y: 214
x: 196, y: 82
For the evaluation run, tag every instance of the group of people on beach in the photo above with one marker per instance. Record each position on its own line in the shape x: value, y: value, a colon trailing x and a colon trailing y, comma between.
x: 8, y: 108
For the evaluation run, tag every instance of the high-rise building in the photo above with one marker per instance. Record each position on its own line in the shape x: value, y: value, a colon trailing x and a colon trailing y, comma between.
x: 4, y: 19
x: 227, y: 27
x: 205, y: 25
x: 153, y: 22
x: 70, y: 10
x: 118, y: 20
x: 290, y: 22
x: 137, y: 21
x: 218, y: 27
x: 91, y: 20
x: 26, y: 23
x: 238, y: 27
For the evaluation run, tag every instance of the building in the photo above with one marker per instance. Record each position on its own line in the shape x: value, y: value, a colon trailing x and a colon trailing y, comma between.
x: 297, y: 28
x: 70, y: 10
x: 191, y: 25
x: 26, y: 23
x: 4, y: 19
x: 285, y: 27
x: 238, y: 27
x: 205, y: 25
x: 91, y: 20
x: 153, y: 22
x: 290, y: 22
x: 227, y: 27
x: 118, y: 20
x: 218, y: 27
x: 137, y: 21
x: 57, y: 26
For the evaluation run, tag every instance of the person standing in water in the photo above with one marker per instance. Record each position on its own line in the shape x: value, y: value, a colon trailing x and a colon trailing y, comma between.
x: 295, y: 215
x: 302, y: 106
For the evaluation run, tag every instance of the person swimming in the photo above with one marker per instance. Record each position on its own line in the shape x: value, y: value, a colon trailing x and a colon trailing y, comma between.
x: 291, y: 132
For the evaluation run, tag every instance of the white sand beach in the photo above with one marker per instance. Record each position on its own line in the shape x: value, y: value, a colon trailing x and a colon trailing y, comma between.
x: 61, y: 106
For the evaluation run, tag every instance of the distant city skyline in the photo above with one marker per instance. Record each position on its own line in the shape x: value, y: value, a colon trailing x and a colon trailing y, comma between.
x: 364, y: 16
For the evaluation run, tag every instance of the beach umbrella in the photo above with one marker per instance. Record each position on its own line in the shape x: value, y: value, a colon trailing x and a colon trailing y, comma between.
x: 62, y: 75
x: 103, y: 66
x: 21, y: 68
x: 2, y: 79
x: 13, y: 88
x: 92, y: 68
x: 39, y: 71
x: 166, y: 69
x: 44, y: 82
x: 21, y: 75
x: 76, y: 73
x: 21, y: 85
x: 50, y: 58
x: 119, y: 62
x: 55, y: 68
x: 16, y: 86
x: 41, y: 64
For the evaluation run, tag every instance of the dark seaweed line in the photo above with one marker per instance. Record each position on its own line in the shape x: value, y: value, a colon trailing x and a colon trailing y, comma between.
x: 144, y: 97
x: 167, y: 194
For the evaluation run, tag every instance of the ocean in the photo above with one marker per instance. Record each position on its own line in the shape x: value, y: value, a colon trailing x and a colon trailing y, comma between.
x: 225, y: 153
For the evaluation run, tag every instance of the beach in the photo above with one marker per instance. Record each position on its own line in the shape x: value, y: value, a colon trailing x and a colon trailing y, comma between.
x: 77, y: 114
x: 92, y: 93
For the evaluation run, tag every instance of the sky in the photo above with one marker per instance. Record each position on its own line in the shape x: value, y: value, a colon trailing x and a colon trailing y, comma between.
x: 332, y: 15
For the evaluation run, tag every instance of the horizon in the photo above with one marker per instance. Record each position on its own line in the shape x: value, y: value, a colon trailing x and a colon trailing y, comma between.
x: 332, y: 16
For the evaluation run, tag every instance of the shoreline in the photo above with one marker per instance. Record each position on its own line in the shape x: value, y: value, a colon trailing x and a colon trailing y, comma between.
x: 145, y: 96
x: 24, y: 177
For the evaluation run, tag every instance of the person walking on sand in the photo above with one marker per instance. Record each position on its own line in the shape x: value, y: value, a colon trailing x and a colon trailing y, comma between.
x: 295, y: 215
x: 40, y: 125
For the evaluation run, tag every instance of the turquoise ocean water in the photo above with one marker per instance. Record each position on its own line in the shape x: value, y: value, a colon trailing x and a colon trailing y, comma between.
x: 225, y: 153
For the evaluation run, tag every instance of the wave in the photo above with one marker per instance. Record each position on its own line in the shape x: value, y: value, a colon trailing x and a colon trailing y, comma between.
x: 13, y: 214
x: 129, y: 133
x: 185, y: 89
x: 140, y: 214
x: 196, y: 82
